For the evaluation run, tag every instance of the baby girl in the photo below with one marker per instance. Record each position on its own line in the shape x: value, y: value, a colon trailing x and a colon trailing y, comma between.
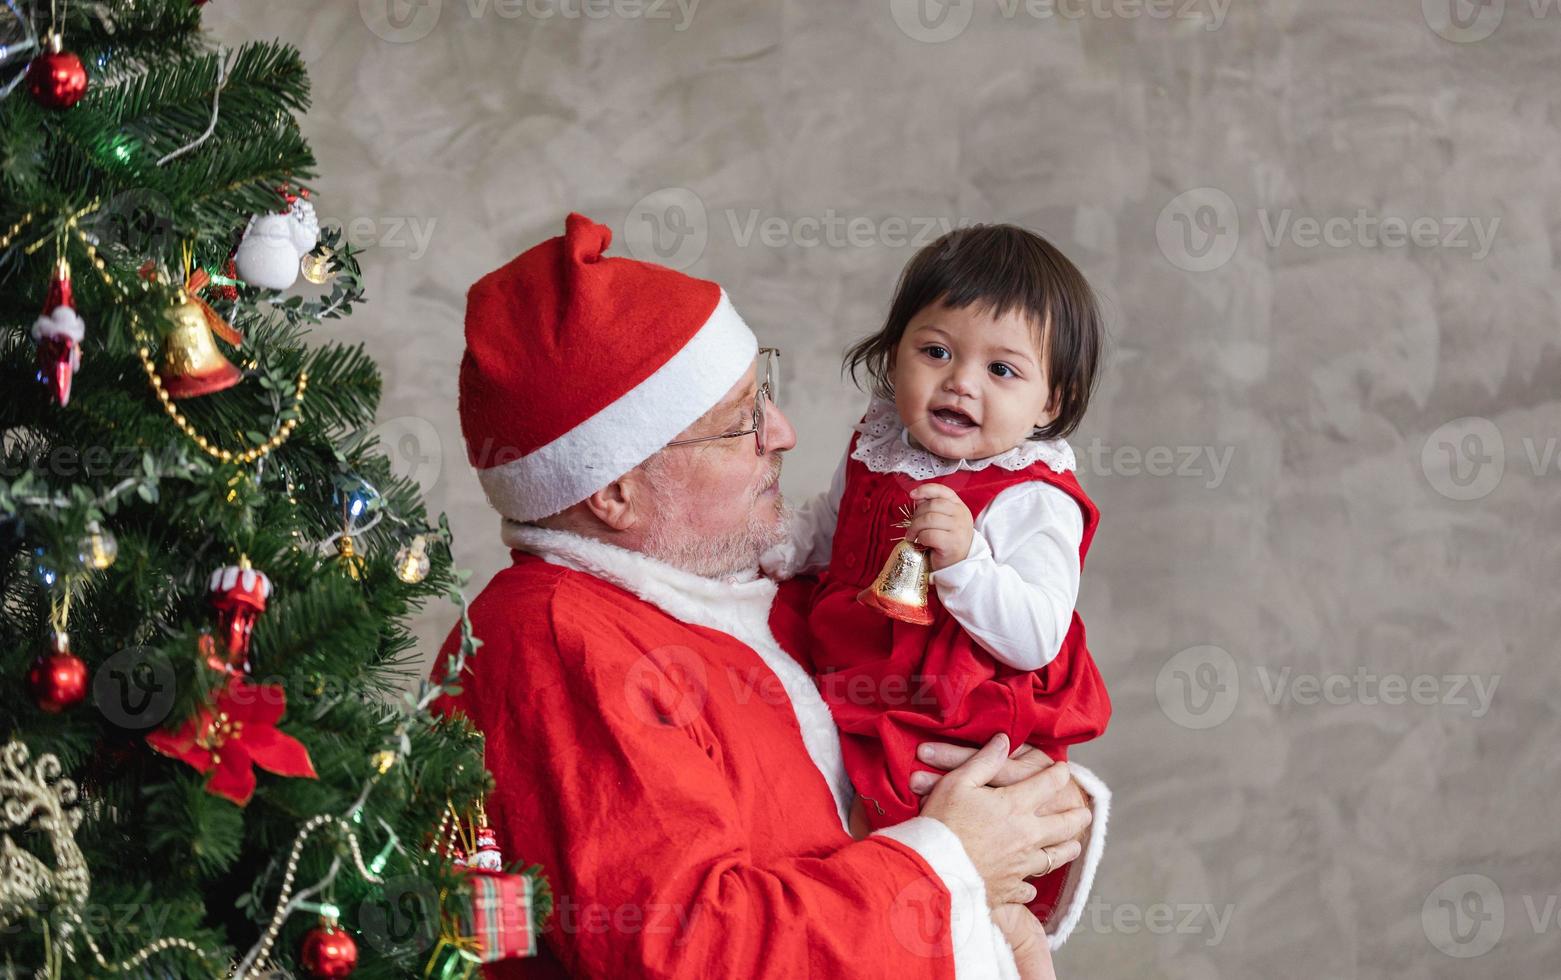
x: 985, y: 364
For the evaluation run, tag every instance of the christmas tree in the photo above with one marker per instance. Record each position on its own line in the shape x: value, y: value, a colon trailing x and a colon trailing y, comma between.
x: 216, y: 754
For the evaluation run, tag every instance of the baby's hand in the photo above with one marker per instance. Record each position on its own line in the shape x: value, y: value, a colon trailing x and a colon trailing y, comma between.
x: 941, y: 522
x: 1024, y: 933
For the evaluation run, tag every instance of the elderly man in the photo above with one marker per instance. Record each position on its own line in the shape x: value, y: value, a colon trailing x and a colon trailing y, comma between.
x: 655, y: 747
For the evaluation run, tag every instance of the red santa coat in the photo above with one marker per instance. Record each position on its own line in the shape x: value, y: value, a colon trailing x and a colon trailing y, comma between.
x: 893, y: 685
x: 651, y: 745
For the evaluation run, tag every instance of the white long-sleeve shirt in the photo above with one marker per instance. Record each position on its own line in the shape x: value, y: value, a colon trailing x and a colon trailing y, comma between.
x: 1016, y: 590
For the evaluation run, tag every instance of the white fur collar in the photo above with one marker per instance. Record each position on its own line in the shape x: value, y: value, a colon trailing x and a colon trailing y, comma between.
x: 740, y: 609
x: 684, y: 594
x: 885, y: 447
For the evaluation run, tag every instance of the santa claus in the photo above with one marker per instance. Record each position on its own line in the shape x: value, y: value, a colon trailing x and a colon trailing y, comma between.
x: 655, y: 746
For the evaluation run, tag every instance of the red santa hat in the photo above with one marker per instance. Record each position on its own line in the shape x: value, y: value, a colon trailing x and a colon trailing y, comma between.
x: 579, y: 367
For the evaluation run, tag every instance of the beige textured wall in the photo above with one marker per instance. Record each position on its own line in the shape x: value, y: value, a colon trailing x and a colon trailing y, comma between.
x: 1310, y: 574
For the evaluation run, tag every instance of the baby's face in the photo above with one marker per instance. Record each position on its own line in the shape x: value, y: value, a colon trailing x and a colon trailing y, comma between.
x: 968, y: 384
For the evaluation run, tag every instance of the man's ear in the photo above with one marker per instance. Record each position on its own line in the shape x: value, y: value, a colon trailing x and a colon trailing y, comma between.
x: 614, y: 504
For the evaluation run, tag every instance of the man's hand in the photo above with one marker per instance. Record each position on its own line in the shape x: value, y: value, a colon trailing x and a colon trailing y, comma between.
x: 941, y: 522
x: 1010, y: 832
x: 1026, y: 761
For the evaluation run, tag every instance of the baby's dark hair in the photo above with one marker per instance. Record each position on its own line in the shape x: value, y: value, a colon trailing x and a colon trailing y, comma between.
x: 1004, y: 268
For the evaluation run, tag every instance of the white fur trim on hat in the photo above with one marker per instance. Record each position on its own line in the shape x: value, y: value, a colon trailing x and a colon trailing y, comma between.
x: 630, y: 430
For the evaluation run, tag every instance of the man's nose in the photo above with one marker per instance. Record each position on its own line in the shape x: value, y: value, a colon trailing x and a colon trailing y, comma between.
x: 779, y: 436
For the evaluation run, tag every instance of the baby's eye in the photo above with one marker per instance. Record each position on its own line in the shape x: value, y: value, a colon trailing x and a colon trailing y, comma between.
x: 1003, y: 371
x: 935, y: 350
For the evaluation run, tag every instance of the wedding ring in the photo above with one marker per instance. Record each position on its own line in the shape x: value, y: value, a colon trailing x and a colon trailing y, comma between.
x: 1049, y: 860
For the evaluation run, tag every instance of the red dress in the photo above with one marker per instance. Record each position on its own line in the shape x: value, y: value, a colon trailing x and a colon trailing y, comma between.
x: 893, y: 685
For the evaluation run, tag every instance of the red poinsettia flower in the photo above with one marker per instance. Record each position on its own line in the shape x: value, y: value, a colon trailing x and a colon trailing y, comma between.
x: 236, y: 732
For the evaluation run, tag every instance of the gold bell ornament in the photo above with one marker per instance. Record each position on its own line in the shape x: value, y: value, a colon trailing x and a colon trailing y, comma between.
x: 901, y: 588
x: 358, y: 497
x: 192, y: 364
x: 347, y: 557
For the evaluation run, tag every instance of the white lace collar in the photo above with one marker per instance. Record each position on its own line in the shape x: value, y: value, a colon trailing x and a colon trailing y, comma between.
x: 885, y: 447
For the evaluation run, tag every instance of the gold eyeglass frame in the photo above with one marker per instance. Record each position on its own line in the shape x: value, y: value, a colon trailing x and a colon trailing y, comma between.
x: 768, y: 390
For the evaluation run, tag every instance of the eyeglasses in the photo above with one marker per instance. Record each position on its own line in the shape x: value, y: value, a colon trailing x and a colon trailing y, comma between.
x: 768, y: 391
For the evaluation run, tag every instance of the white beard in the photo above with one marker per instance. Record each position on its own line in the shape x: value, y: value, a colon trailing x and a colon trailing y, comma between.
x: 733, y: 555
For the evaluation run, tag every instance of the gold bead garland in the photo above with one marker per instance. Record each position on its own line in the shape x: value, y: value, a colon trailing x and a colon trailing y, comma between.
x: 14, y: 230
x: 169, y: 408
x: 215, y: 452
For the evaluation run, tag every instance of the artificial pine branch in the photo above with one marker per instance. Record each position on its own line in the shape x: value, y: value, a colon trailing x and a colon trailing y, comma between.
x: 202, y: 869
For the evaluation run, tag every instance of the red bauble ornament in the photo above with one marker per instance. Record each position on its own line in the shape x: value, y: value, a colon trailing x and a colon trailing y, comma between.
x: 239, y: 594
x: 328, y: 951
x: 58, y: 680
x: 58, y: 332
x: 56, y: 79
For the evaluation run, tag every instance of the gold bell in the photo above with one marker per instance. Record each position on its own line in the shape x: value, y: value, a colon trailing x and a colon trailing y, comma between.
x: 348, y: 558
x: 900, y: 590
x: 193, y: 365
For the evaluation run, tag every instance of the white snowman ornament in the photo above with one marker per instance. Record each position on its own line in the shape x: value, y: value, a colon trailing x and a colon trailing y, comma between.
x: 274, y: 244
